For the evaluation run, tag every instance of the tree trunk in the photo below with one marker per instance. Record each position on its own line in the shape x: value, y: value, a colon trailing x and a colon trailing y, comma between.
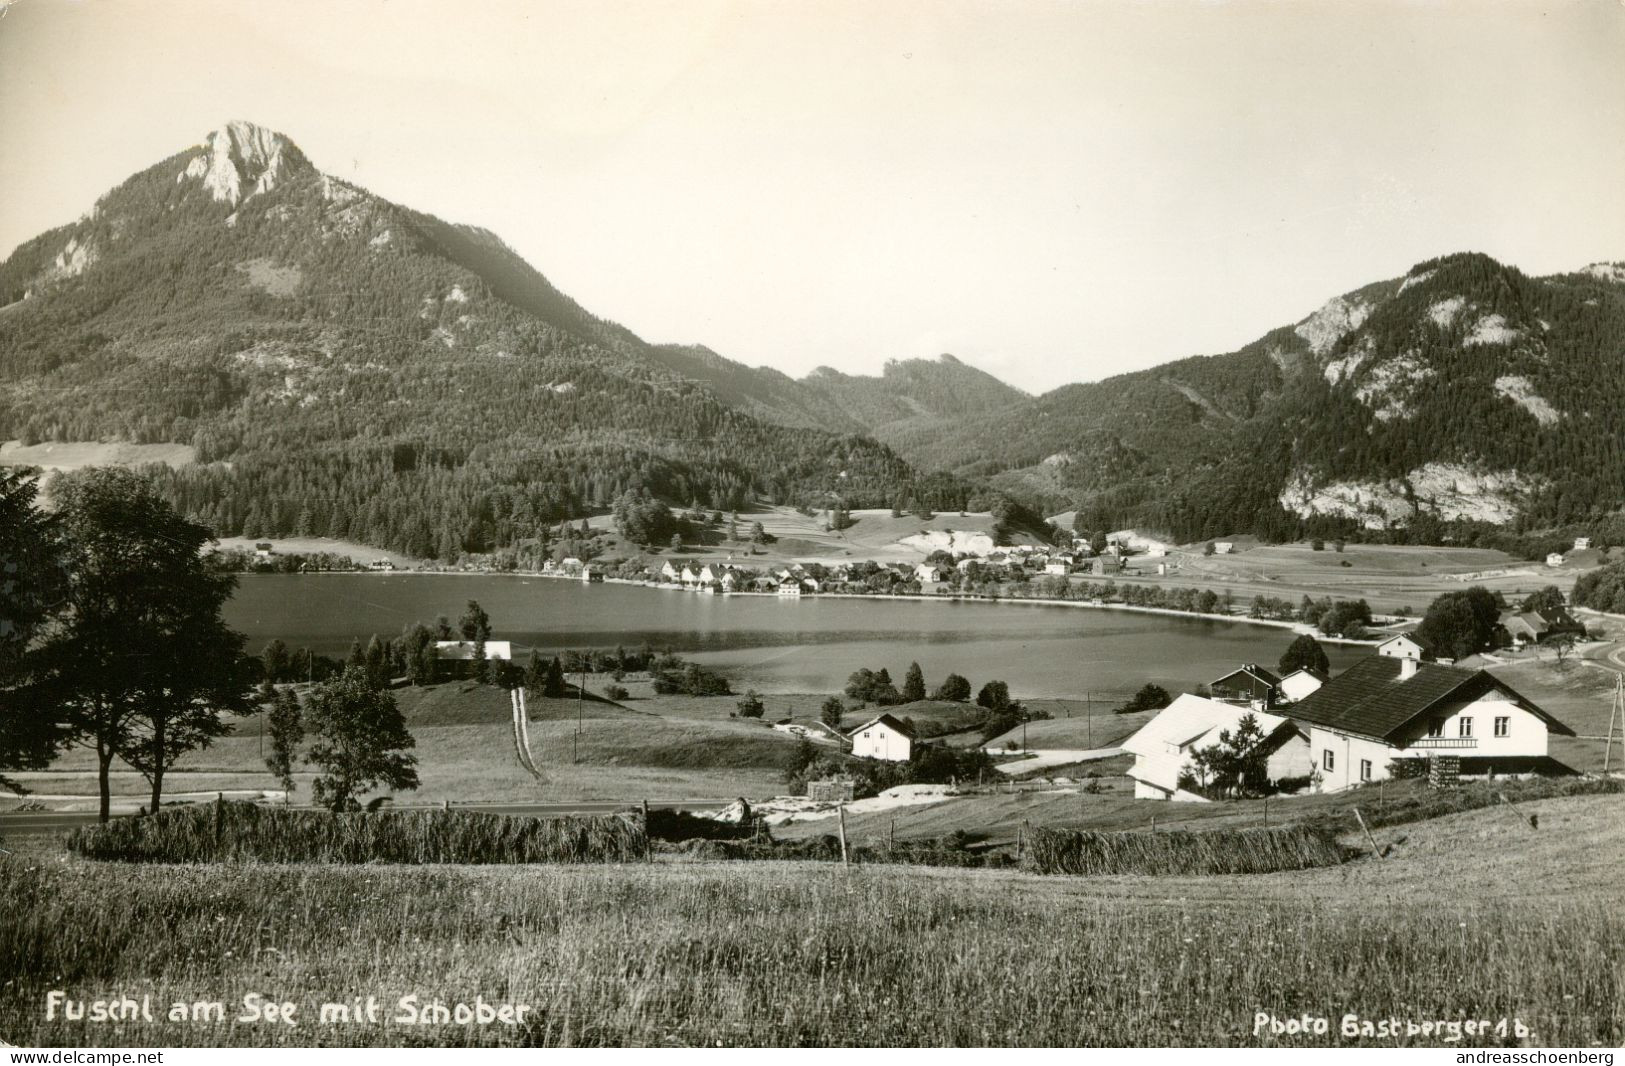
x: 104, y: 763
x: 157, y: 777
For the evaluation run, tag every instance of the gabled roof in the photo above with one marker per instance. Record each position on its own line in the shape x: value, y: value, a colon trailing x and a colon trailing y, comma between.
x: 1410, y: 635
x: 887, y: 720
x: 1319, y: 675
x: 1372, y: 700
x: 1190, y: 718
x: 1254, y: 671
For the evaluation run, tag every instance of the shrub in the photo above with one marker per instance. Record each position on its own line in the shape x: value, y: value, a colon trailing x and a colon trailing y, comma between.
x: 615, y: 692
x: 244, y: 832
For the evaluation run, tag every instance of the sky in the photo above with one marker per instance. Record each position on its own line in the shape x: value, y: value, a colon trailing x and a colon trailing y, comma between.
x: 1053, y: 192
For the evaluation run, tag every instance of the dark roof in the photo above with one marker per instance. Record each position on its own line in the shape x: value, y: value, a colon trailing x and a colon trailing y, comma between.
x: 1313, y: 671
x: 1370, y: 699
x: 887, y: 720
x: 1254, y: 671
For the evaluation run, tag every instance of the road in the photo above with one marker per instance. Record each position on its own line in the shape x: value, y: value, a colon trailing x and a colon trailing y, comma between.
x: 21, y: 822
x: 1045, y: 758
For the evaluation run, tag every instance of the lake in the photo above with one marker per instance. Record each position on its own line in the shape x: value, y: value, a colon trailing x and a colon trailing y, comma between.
x: 807, y: 645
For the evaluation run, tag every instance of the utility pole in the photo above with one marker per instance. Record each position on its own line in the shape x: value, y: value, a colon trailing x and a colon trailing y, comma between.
x: 1617, y: 712
x: 575, y: 741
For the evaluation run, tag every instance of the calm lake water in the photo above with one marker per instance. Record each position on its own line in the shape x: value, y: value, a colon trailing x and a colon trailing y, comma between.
x: 810, y: 645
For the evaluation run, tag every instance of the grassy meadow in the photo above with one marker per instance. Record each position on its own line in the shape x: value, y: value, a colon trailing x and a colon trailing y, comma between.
x: 1471, y: 917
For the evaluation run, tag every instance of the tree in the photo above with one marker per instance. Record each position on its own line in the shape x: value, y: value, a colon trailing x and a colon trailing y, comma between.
x: 1562, y: 642
x: 995, y: 696
x: 275, y: 661
x: 418, y: 654
x: 750, y: 704
x: 287, y: 728
x: 1209, y: 548
x: 676, y: 542
x: 913, y: 684
x: 361, y: 741
x: 1304, y: 653
x: 1548, y: 601
x: 1458, y: 624
x: 553, y: 683
x: 475, y: 625
x: 831, y: 712
x: 143, y: 664
x: 1238, y: 763
x: 953, y: 687
x: 376, y: 661
x: 1346, y: 618
x: 33, y: 580
x: 1150, y: 698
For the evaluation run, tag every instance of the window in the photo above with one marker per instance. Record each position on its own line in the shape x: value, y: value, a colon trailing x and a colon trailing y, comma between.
x: 1327, y: 759
x: 1503, y: 727
x: 1365, y: 769
x: 1465, y: 729
x: 1436, y: 729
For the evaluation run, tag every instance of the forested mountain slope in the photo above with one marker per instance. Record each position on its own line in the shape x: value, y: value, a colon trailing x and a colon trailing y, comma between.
x: 1464, y: 391
x: 345, y: 366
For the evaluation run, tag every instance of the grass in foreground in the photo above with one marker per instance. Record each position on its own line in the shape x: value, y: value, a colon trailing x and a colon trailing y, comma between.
x: 781, y: 954
x: 243, y: 832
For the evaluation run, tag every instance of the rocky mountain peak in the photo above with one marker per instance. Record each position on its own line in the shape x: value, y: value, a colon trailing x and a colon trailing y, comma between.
x: 241, y: 159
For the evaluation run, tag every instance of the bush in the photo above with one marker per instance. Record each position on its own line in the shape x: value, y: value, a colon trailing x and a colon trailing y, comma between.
x: 615, y: 692
x: 1149, y: 698
x: 244, y: 832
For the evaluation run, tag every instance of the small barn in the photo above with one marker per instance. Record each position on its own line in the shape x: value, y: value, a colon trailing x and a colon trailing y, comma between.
x: 886, y: 737
x: 1251, y: 685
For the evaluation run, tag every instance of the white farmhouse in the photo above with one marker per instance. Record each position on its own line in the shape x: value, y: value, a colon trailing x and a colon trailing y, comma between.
x: 1405, y: 646
x: 1554, y: 559
x: 882, y: 738
x: 1301, y: 684
x: 1163, y: 747
x: 1383, y: 709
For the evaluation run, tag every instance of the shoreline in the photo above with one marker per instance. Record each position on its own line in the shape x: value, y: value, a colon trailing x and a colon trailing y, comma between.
x: 1296, y: 627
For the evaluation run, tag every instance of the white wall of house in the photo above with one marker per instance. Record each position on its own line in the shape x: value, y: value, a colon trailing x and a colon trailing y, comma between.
x: 1298, y: 684
x: 1524, y: 734
x: 880, y: 741
x: 1347, y: 754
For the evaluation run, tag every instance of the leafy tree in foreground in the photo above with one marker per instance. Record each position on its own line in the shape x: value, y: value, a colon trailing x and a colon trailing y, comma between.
x: 361, y: 741
x: 287, y: 728
x: 1304, y: 653
x: 831, y: 712
x: 32, y: 581
x: 143, y: 664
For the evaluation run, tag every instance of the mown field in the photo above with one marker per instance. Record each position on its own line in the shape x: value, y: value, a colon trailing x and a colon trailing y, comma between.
x: 1471, y: 918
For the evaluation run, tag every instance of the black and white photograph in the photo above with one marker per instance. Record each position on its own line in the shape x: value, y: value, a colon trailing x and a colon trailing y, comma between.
x: 1038, y: 524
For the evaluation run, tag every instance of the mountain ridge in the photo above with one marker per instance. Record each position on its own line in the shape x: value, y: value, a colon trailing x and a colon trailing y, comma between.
x: 235, y: 298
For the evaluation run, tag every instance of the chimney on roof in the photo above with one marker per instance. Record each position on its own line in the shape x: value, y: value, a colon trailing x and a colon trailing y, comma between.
x: 1407, y: 668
